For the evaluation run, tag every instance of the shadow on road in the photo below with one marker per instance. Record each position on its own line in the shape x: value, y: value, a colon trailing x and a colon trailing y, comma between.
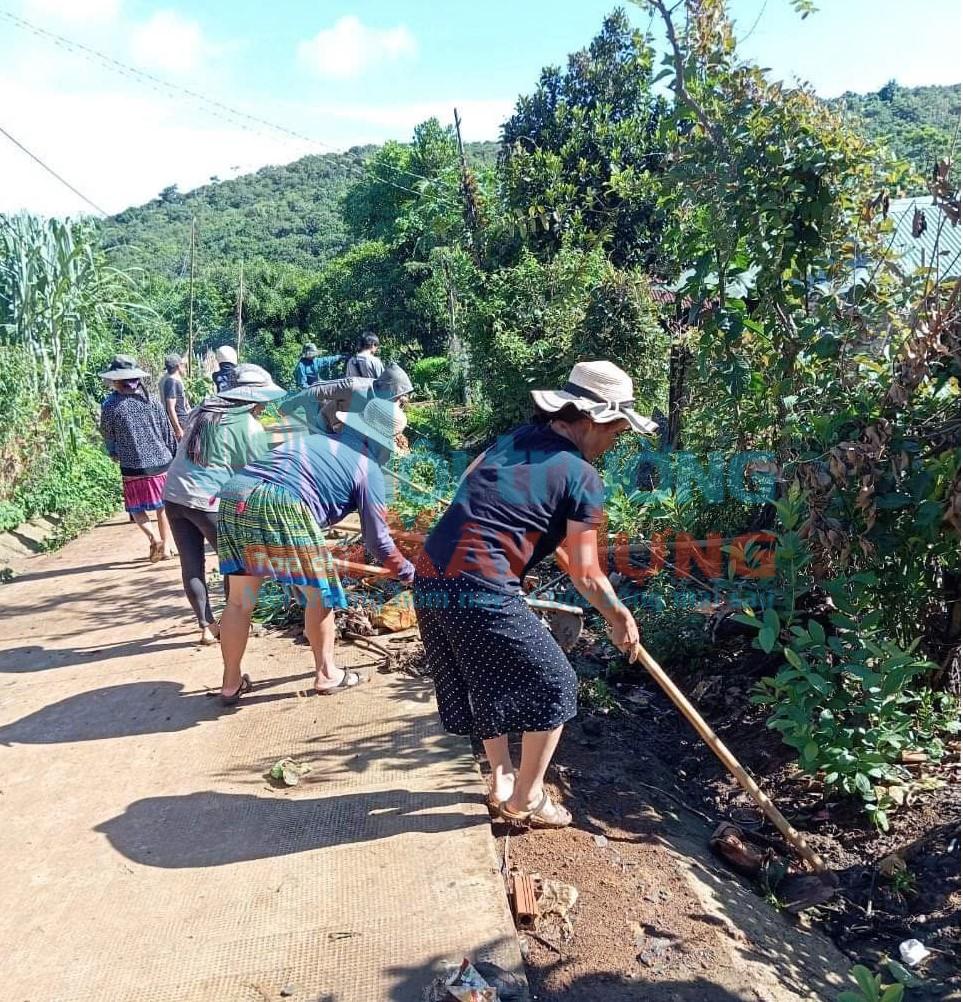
x: 36, y: 657
x: 113, y: 712
x: 217, y: 829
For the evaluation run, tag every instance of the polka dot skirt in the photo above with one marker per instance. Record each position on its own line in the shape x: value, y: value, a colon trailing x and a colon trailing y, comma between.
x: 496, y: 667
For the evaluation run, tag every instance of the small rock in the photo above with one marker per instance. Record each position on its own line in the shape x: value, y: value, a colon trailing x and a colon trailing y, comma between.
x: 892, y: 863
x: 600, y: 840
x: 287, y: 991
x: 654, y: 950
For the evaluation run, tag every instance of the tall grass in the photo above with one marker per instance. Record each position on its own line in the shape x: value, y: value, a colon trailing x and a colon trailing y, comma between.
x: 63, y: 313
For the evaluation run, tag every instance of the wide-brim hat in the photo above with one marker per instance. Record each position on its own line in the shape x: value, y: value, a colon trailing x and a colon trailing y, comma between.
x: 394, y: 382
x: 381, y: 421
x: 309, y: 351
x: 253, y: 385
x: 602, y: 391
x: 123, y: 367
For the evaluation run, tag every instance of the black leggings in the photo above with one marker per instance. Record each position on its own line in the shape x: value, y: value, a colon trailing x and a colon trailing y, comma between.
x: 191, y: 527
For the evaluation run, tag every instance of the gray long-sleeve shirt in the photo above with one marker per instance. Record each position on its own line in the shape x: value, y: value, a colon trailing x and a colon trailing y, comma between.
x: 318, y: 406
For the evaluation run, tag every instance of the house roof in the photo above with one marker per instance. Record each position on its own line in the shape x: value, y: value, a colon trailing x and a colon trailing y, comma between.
x: 918, y: 252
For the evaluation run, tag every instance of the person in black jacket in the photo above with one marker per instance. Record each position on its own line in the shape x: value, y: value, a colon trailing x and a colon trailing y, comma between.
x: 139, y: 438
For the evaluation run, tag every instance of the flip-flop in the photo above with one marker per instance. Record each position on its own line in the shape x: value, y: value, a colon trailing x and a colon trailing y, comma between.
x: 533, y: 818
x: 344, y: 685
x: 244, y: 687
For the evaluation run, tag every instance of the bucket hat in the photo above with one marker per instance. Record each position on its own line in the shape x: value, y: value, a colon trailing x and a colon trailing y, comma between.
x: 226, y: 354
x: 123, y: 367
x: 253, y: 384
x: 381, y: 421
x: 393, y: 383
x: 309, y: 350
x: 602, y: 391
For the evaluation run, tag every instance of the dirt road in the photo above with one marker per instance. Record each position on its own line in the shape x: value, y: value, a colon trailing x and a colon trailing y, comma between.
x: 147, y: 858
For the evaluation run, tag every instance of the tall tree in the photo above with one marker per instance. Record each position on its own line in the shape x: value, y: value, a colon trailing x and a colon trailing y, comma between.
x: 580, y: 154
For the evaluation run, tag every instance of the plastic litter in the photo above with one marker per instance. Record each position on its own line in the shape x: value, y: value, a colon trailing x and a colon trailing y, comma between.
x: 288, y: 772
x: 913, y: 952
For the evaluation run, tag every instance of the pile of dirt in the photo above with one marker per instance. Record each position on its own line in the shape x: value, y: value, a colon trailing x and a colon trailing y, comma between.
x: 646, y: 793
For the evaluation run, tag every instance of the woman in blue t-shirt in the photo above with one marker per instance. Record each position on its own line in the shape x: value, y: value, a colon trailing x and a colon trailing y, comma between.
x: 495, y: 667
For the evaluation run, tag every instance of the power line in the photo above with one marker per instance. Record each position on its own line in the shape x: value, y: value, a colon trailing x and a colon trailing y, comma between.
x: 50, y: 170
x: 236, y: 115
x: 755, y: 24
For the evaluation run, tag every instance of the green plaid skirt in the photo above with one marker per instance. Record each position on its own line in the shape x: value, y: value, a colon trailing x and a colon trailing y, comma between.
x: 265, y: 531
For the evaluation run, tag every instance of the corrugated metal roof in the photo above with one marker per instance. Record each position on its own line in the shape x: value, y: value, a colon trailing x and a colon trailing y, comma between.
x: 916, y: 252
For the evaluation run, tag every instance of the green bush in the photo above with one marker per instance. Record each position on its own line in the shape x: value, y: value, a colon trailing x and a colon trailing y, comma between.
x: 430, y: 376
x: 446, y: 428
x: 11, y: 515
x: 528, y: 324
x: 848, y: 699
x: 78, y: 490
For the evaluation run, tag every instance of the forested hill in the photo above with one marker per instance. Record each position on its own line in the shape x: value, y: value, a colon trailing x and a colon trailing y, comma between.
x: 286, y: 214
x: 919, y: 124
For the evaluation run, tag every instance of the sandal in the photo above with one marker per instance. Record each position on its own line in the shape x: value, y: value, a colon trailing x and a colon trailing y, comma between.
x: 534, y: 818
x: 350, y: 680
x: 244, y: 687
x: 156, y: 550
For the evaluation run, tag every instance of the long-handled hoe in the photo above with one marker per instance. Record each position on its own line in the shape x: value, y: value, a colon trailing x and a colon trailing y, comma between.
x: 729, y: 760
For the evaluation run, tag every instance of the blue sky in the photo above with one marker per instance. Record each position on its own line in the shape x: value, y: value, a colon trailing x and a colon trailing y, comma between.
x: 343, y: 73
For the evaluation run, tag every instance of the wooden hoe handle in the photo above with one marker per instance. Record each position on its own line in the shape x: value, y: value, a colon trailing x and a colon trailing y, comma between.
x: 728, y: 759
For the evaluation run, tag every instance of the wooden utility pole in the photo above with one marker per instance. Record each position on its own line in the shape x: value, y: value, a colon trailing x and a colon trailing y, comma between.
x: 240, y: 311
x: 458, y: 349
x: 468, y: 193
x: 190, y: 314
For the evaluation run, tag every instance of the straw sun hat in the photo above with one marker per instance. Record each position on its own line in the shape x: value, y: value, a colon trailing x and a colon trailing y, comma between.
x: 602, y: 391
x: 381, y: 421
x: 253, y: 384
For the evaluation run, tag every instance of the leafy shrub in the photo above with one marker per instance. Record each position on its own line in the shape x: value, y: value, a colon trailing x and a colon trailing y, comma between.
x: 430, y: 376
x: 11, y: 515
x: 79, y: 490
x: 871, y: 988
x: 846, y: 698
x: 528, y: 324
x: 446, y: 428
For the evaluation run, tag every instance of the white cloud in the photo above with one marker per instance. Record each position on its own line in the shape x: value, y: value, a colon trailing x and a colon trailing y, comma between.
x: 350, y: 47
x: 74, y: 10
x: 118, y: 148
x: 168, y: 42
